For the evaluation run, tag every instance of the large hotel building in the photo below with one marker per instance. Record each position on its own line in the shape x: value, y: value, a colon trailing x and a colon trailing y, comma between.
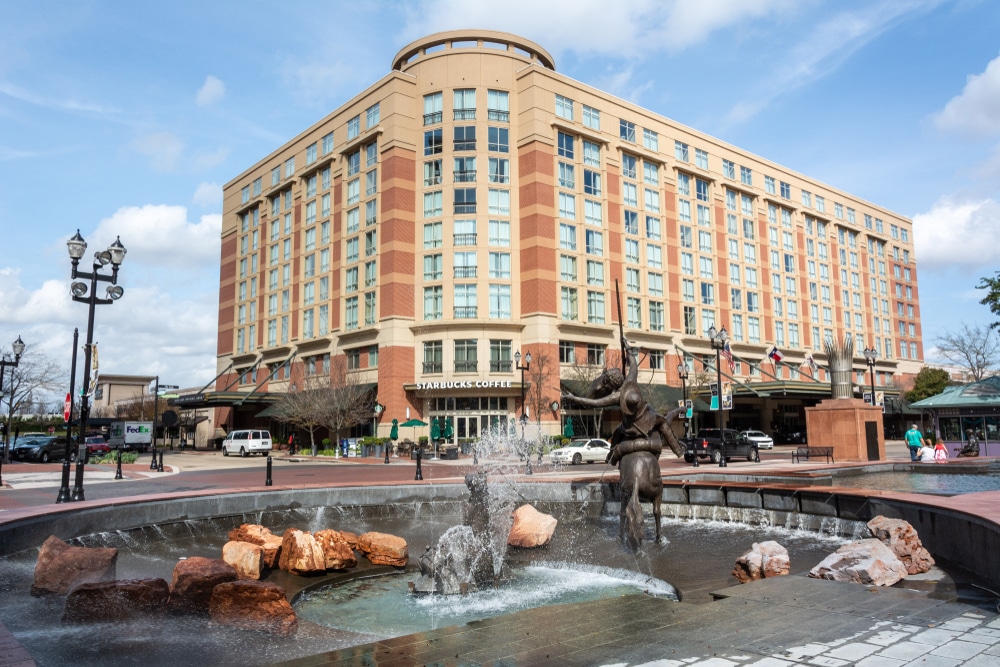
x: 474, y: 204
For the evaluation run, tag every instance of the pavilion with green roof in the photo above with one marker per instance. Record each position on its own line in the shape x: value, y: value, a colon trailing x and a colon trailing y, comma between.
x: 973, y: 406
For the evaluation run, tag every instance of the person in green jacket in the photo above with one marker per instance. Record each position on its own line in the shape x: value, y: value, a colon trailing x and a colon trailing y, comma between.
x: 914, y: 440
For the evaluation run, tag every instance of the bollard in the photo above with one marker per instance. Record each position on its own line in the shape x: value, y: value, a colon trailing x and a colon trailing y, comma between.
x: 152, y: 464
x: 695, y: 464
x: 267, y: 482
x: 159, y: 468
x: 387, y: 448
x: 64, y: 495
x: 118, y: 471
x: 78, y: 494
x: 420, y: 473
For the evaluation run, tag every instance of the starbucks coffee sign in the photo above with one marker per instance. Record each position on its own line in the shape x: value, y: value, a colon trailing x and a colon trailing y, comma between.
x: 466, y: 384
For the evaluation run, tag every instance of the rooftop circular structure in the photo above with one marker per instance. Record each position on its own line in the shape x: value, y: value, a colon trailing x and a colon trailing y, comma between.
x: 473, y: 39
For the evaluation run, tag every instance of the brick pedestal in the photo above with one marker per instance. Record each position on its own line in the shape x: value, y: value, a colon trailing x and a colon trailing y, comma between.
x: 842, y: 423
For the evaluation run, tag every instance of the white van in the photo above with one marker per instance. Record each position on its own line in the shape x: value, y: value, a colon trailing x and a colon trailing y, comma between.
x: 245, y: 443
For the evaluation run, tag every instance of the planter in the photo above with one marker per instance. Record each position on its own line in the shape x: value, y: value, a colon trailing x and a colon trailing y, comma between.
x: 451, y: 453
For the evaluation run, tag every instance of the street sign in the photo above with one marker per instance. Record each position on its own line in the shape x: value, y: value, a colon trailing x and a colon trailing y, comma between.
x: 69, y: 402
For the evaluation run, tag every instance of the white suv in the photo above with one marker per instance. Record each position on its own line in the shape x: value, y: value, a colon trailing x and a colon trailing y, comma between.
x: 245, y: 443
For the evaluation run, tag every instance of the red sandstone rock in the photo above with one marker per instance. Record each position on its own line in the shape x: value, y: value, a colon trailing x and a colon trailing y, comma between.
x: 765, y: 559
x: 866, y: 562
x: 193, y: 581
x: 246, y: 558
x: 261, y: 536
x: 531, y: 528
x: 383, y: 549
x: 338, y: 553
x: 115, y: 600
x: 61, y: 567
x: 349, y: 537
x: 301, y: 553
x: 902, y: 538
x: 253, y: 605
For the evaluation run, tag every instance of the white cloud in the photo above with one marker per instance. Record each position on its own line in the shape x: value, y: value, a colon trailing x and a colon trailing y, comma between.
x: 162, y: 148
x: 71, y: 105
x: 956, y: 233
x: 212, y: 91
x: 976, y: 111
x: 161, y: 236
x: 208, y: 195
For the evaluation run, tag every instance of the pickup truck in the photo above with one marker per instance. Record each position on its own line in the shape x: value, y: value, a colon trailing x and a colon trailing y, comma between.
x: 713, y: 443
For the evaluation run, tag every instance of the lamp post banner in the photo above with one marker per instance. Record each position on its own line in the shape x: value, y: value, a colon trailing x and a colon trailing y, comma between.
x: 93, y: 370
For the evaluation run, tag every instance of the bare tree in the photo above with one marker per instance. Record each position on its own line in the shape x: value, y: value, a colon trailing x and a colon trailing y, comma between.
x: 306, y: 409
x: 34, y: 377
x: 973, y: 347
x: 541, y: 374
x: 349, y: 401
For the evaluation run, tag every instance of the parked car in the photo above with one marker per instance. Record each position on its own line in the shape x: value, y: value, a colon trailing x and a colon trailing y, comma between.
x: 759, y: 438
x: 580, y: 450
x: 713, y: 443
x: 96, y: 444
x: 790, y: 437
x: 42, y: 449
x: 246, y: 442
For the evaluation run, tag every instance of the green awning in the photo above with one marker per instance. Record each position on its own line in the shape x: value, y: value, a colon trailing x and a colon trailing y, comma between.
x: 982, y: 394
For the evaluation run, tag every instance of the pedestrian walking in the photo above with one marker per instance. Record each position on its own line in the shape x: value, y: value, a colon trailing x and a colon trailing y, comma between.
x: 914, y: 440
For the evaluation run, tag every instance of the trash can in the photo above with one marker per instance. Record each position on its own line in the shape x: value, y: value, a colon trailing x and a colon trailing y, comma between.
x: 451, y: 453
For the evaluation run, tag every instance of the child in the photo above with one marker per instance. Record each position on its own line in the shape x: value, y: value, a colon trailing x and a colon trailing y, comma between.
x: 940, y: 453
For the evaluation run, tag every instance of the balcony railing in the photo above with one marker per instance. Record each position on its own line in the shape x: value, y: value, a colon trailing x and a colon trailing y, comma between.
x: 465, y: 313
x: 465, y: 114
x: 433, y: 367
x: 465, y: 271
x: 500, y: 366
x: 465, y: 208
x: 465, y: 366
x: 466, y: 176
x: 499, y: 116
x: 432, y: 118
x: 465, y: 239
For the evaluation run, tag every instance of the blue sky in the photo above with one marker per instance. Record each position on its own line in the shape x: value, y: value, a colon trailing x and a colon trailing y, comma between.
x: 125, y: 118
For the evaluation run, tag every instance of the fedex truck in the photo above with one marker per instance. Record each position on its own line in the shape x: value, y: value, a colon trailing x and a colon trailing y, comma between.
x: 131, y: 435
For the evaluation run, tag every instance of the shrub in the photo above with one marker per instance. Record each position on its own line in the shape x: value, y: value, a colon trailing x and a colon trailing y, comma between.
x: 111, y: 458
x: 326, y: 452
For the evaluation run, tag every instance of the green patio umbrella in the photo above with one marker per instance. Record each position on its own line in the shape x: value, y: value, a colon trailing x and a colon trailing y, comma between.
x: 394, y: 433
x: 448, y: 432
x: 568, y: 431
x: 435, y: 429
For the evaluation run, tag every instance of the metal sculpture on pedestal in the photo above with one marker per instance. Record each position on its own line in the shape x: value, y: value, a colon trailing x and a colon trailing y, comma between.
x: 841, y: 359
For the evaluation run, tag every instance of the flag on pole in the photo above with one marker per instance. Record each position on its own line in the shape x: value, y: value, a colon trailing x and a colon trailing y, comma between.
x: 775, y: 354
x: 727, y: 352
x: 811, y: 363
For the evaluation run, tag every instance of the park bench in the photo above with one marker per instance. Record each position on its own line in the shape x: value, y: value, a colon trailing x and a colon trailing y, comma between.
x: 812, y: 452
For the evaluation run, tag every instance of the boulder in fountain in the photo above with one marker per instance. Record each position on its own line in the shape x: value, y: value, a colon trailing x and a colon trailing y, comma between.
x: 337, y: 551
x: 531, y: 528
x: 384, y: 549
x: 121, y: 600
x: 765, y: 559
x: 902, y: 538
x: 193, y: 581
x: 261, y: 536
x: 61, y: 567
x: 246, y: 558
x: 868, y: 562
x: 253, y: 605
x: 301, y: 553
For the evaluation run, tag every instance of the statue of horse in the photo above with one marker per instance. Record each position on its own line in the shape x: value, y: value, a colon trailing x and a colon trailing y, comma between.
x: 640, y: 480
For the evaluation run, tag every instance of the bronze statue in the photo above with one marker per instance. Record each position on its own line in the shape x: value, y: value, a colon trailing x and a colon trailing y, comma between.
x: 636, y: 444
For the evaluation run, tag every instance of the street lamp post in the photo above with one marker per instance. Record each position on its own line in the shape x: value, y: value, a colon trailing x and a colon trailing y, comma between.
x: 682, y: 373
x: 524, y: 413
x: 83, y: 293
x: 18, y: 347
x: 870, y: 356
x: 719, y: 340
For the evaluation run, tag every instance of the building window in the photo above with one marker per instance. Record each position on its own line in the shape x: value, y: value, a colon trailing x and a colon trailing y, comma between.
x: 432, y: 172
x: 433, y: 303
x: 465, y: 170
x: 498, y: 141
x: 372, y: 115
x: 433, y: 356
x: 498, y: 106
x: 567, y: 236
x: 650, y: 140
x: 500, y: 265
x: 564, y: 107
x: 500, y: 356
x: 626, y: 131
x: 567, y: 351
x: 595, y: 243
x: 567, y: 268
x: 595, y: 307
x: 433, y: 204
x: 701, y: 158
x: 567, y: 177
x: 465, y: 138
x: 465, y: 264
x: 465, y: 104
x: 432, y: 108
x: 328, y: 143
x: 786, y: 190
x: 565, y: 148
x: 729, y: 169
x: 500, y: 302
x: 569, y: 304
x: 353, y: 128
x: 433, y: 142
x: 690, y: 321
x: 746, y: 176
x: 499, y: 231
x: 499, y: 170
x: 466, y: 355
x: 681, y: 152
x: 433, y: 269
x: 591, y: 182
x: 465, y: 301
x: 591, y: 117
x: 351, y: 313
x: 591, y: 154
